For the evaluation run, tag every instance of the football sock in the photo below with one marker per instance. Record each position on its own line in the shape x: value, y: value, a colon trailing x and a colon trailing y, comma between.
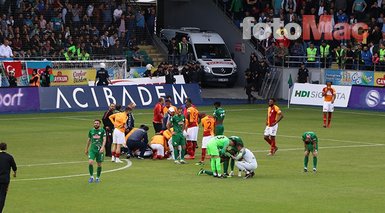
x: 268, y: 141
x: 176, y: 153
x: 98, y: 172
x: 183, y: 152
x: 91, y: 170
x: 329, y: 118
x: 194, y: 144
x: 324, y: 118
x: 272, y: 145
x: 315, y: 162
x: 113, y: 154
x: 305, y: 161
x: 189, y: 147
x: 212, y: 162
x: 232, y: 163
x: 225, y: 165
x: 203, y: 154
x: 117, y: 155
x: 218, y: 165
x: 208, y: 172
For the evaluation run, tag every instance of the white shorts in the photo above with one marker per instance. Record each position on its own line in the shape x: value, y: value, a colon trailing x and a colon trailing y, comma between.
x: 118, y: 137
x: 243, y: 165
x: 205, y: 141
x: 271, y: 130
x: 192, y: 133
x: 328, y: 107
x: 159, y: 148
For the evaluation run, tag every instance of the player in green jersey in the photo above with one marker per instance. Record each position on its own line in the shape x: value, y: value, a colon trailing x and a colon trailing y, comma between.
x: 310, y: 141
x: 177, y: 121
x: 95, y: 150
x: 219, y: 115
x: 217, y: 147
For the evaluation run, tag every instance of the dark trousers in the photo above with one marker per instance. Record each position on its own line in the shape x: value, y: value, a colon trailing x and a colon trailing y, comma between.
x: 3, y: 194
x: 157, y: 127
x: 108, y: 142
x: 134, y: 145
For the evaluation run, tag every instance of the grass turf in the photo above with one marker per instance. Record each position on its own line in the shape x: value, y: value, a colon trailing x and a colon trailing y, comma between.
x: 48, y: 147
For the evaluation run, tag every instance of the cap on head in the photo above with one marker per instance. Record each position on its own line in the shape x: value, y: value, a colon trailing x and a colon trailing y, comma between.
x: 102, y: 65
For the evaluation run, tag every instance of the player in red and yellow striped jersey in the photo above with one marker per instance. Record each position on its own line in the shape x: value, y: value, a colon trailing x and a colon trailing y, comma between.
x: 329, y: 94
x: 274, y: 116
x: 192, y: 121
x: 208, y: 124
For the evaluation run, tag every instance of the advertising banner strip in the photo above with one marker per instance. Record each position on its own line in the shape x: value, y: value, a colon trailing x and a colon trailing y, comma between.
x: 371, y: 98
x: 311, y: 94
x: 379, y: 79
x: 142, y: 81
x: 19, y: 99
x: 349, y: 78
x: 99, y: 98
x: 73, y: 77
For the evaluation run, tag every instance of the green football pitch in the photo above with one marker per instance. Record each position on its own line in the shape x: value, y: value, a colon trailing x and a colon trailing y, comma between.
x: 52, y: 167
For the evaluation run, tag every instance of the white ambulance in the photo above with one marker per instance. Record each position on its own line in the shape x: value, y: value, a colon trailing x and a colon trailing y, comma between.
x: 209, y: 49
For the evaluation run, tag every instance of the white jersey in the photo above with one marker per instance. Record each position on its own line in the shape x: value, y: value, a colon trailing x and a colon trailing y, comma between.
x: 248, y: 156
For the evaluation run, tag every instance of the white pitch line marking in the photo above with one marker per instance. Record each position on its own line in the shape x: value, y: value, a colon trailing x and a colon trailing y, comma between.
x: 298, y: 137
x: 325, y: 147
x: 50, y: 164
x: 129, y: 163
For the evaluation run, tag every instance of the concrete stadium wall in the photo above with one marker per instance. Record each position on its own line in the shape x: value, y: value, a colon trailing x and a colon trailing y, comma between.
x: 316, y: 75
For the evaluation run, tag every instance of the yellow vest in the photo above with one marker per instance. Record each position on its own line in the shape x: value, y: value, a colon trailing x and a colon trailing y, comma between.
x: 382, y: 54
x: 324, y: 51
x: 311, y: 53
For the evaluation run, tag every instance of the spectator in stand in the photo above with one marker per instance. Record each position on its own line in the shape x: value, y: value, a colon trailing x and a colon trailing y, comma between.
x: 325, y: 55
x: 349, y: 58
x: 280, y: 54
x: 137, y: 57
x: 183, y: 49
x: 173, y: 52
x: 376, y: 61
x: 303, y: 74
x: 35, y: 79
x: 366, y: 58
x: 169, y: 75
x: 186, y: 72
x: 298, y: 51
x: 5, y: 50
x: 12, y: 79
x: 359, y: 7
x: 140, y: 24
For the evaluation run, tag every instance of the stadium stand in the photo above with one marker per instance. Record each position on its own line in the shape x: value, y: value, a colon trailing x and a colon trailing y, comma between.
x: 349, y: 54
x: 77, y: 30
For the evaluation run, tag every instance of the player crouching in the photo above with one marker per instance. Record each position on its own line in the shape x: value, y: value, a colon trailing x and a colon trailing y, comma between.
x: 159, y: 146
x: 246, y: 161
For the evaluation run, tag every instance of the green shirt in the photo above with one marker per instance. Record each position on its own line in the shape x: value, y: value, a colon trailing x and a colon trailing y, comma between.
x: 313, y: 137
x: 96, y: 136
x: 222, y: 143
x: 177, y: 122
x: 219, y: 115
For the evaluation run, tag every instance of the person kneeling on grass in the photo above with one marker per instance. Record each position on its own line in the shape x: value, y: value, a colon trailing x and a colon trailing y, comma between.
x: 246, y: 161
x: 138, y: 140
x: 158, y: 145
x: 217, y: 147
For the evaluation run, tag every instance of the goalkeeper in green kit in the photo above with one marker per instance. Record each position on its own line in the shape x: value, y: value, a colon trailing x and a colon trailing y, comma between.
x: 310, y: 141
x: 95, y: 150
x: 219, y: 147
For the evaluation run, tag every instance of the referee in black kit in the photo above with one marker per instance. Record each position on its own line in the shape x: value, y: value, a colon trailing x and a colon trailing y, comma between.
x: 6, y: 163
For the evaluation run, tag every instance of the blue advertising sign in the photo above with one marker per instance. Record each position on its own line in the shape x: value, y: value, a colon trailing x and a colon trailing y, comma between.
x: 372, y: 98
x: 349, y: 77
x: 99, y: 98
x: 19, y: 99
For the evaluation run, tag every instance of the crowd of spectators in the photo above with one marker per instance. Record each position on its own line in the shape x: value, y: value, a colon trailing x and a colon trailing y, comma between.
x: 191, y: 71
x: 73, y: 30
x: 351, y: 53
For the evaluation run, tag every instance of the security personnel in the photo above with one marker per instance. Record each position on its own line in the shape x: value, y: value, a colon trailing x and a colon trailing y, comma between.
x: 102, y: 78
x: 311, y: 53
x: 325, y: 54
x: 381, y: 53
x: 83, y: 56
